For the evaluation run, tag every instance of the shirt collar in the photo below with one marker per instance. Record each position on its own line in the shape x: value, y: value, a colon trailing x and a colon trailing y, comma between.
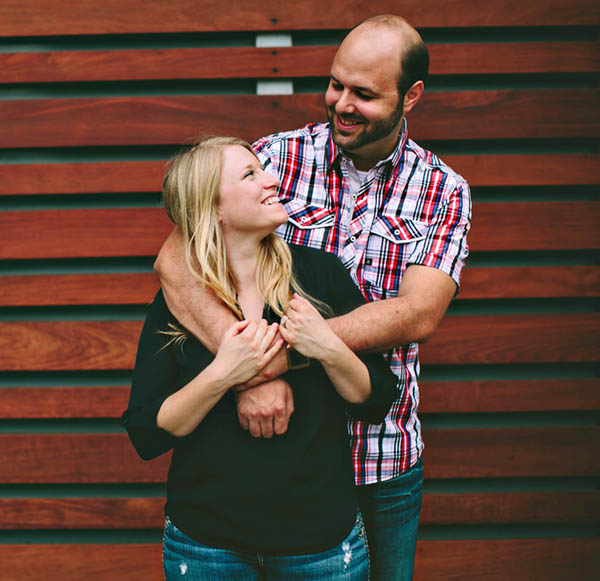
x: 333, y: 152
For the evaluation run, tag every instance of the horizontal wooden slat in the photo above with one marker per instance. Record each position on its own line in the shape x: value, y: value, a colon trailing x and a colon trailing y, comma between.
x: 438, y: 509
x: 139, y: 288
x: 550, y: 559
x: 450, y: 453
x: 146, y: 176
x: 500, y: 559
x: 283, y: 62
x: 530, y: 282
x: 509, y: 395
x: 78, y: 289
x: 141, y: 231
x: 76, y: 562
x: 105, y: 232
x: 511, y: 452
x: 87, y: 345
x: 81, y: 513
x: 436, y: 397
x: 535, y: 226
x: 510, y: 508
x: 63, y: 402
x: 30, y: 18
x: 501, y: 114
x: 57, y: 345
x: 76, y: 458
x: 526, y: 170
x: 485, y: 339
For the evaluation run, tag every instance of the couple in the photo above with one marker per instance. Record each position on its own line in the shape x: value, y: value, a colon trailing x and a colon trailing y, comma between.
x: 397, y: 217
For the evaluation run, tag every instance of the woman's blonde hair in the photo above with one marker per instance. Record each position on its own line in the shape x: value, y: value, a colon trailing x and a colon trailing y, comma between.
x: 191, y: 197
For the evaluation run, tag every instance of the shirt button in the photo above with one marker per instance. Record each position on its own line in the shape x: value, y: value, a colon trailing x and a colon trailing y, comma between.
x: 303, y: 219
x: 352, y: 238
x: 397, y: 232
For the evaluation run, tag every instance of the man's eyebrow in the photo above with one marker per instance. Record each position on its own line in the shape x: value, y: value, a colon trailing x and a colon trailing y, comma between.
x: 361, y: 89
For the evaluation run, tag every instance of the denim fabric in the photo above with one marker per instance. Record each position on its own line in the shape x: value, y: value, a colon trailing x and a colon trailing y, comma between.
x: 186, y: 560
x: 391, y: 514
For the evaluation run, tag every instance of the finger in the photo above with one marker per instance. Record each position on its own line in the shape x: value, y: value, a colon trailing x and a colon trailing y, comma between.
x: 280, y: 424
x: 243, y: 421
x: 254, y: 427
x: 270, y: 334
x: 285, y: 333
x: 266, y: 427
x: 237, y: 328
x: 272, y: 351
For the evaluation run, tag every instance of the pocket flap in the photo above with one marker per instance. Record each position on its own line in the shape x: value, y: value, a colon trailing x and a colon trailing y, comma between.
x: 304, y: 216
x: 399, y: 230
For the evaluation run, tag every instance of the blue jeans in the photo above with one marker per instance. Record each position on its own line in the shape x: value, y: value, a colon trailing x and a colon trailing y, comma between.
x: 391, y: 514
x: 186, y: 560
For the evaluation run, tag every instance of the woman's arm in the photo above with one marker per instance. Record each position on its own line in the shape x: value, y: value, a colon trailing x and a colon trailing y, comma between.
x: 305, y: 330
x: 246, y: 347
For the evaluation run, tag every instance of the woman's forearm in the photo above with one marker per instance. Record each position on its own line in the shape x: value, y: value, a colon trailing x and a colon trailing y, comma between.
x: 181, y: 413
x: 348, y: 374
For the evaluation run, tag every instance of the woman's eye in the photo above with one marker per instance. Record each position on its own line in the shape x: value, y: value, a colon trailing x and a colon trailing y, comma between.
x: 249, y: 173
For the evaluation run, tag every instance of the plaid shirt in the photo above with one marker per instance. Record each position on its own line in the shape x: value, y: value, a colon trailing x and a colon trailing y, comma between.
x: 410, y: 209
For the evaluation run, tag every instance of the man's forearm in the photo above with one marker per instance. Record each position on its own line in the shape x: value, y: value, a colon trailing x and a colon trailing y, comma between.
x: 193, y: 304
x: 411, y: 317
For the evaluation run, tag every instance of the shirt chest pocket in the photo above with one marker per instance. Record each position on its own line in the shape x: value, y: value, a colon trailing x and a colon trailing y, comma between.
x: 308, y: 224
x: 393, y: 241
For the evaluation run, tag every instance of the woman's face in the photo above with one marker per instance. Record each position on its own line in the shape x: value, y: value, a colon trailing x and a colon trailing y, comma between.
x: 248, y: 200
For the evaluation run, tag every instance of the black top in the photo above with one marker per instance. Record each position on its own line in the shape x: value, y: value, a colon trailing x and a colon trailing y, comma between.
x: 291, y: 494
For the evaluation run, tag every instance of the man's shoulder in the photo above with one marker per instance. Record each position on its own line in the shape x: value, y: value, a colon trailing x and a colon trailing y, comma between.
x: 427, y: 161
x: 315, y: 133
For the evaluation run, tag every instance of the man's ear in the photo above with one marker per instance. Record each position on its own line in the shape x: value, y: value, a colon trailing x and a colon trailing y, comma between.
x: 413, y: 95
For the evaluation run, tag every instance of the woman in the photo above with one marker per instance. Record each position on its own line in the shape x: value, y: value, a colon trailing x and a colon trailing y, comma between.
x: 239, y: 507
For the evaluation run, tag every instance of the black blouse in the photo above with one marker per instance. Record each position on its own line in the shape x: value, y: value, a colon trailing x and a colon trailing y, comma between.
x: 291, y: 494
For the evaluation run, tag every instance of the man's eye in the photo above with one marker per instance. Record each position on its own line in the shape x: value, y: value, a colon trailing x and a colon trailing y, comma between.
x: 364, y: 97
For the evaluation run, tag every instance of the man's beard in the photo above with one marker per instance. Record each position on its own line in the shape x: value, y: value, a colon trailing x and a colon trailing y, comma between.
x: 370, y: 131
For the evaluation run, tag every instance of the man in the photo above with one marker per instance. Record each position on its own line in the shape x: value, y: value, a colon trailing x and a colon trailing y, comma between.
x: 397, y: 217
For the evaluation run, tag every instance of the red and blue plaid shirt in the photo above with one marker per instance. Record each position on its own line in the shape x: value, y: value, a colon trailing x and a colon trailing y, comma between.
x: 410, y: 209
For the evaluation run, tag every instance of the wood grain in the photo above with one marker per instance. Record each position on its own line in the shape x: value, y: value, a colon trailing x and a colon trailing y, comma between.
x: 63, y: 402
x: 501, y: 559
x: 511, y: 395
x: 496, y: 226
x: 450, y: 453
x: 76, y: 458
x: 485, y: 339
x: 500, y: 114
x: 531, y: 395
x: 30, y: 18
x: 438, y: 509
x: 87, y: 345
x: 511, y: 452
x: 140, y: 288
x: 146, y: 176
x: 283, y: 62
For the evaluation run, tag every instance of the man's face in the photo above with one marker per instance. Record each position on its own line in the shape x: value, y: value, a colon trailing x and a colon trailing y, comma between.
x: 364, y: 106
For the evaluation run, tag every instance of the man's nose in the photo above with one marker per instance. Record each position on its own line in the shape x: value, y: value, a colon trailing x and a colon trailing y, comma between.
x: 345, y: 104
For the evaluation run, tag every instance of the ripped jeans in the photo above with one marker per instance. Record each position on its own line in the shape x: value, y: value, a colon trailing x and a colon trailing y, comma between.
x: 186, y: 560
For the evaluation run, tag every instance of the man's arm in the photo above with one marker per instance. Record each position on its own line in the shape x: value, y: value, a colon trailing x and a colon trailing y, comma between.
x: 411, y: 317
x: 193, y: 305
x: 263, y: 411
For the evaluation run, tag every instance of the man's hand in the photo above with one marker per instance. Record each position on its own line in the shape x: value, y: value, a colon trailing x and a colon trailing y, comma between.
x: 266, y: 409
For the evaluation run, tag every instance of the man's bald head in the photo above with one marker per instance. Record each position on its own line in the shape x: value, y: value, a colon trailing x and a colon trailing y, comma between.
x: 404, y: 42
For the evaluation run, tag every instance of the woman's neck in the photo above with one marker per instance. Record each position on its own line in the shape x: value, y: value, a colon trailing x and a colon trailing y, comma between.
x: 242, y: 259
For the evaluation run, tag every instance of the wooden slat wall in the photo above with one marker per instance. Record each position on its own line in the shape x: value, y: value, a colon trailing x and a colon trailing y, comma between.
x: 94, y: 99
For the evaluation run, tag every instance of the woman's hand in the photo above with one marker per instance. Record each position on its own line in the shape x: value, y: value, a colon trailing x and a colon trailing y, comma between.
x: 246, y: 347
x: 306, y: 330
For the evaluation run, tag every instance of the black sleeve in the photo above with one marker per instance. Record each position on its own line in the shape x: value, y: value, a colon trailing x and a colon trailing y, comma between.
x: 327, y: 279
x: 155, y: 377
